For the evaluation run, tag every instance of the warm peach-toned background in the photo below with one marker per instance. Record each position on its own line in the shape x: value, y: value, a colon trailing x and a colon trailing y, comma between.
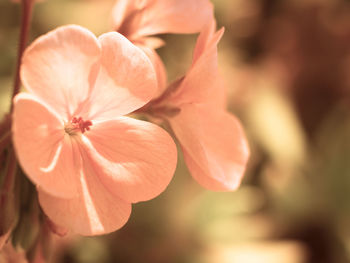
x: 287, y: 69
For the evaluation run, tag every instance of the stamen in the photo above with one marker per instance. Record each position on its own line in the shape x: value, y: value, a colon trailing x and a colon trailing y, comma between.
x: 77, y: 124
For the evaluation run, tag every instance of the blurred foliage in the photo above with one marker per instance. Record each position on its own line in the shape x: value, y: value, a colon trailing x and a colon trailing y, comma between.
x: 286, y: 64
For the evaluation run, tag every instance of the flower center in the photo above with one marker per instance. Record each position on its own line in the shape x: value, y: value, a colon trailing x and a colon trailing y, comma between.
x: 77, y: 125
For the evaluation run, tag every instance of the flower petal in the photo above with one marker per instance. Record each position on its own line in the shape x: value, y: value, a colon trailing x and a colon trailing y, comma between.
x: 150, y: 42
x: 159, y: 68
x: 203, y: 83
x: 207, y: 39
x: 44, y: 151
x: 93, y: 211
x: 123, y: 14
x: 134, y: 159
x: 126, y: 80
x: 144, y: 18
x: 214, y: 145
x: 57, y: 67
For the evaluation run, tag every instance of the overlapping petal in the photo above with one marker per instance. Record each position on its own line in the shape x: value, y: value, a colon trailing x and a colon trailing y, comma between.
x: 126, y: 80
x: 207, y: 39
x: 203, y: 83
x: 135, y: 160
x: 123, y: 14
x: 214, y: 145
x: 44, y: 150
x: 159, y: 69
x: 57, y: 67
x: 92, y: 211
x: 136, y: 19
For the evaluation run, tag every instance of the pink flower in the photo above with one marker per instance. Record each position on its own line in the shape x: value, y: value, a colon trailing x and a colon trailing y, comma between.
x: 88, y: 161
x: 213, y: 141
x: 140, y: 20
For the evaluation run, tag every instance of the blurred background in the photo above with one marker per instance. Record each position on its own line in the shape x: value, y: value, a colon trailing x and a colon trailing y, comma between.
x: 286, y: 64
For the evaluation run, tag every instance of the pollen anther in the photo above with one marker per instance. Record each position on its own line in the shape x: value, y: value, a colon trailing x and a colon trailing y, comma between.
x: 77, y: 124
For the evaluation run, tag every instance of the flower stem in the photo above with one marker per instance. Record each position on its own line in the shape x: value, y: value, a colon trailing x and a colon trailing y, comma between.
x: 5, y: 140
x: 27, y: 8
x: 8, y: 183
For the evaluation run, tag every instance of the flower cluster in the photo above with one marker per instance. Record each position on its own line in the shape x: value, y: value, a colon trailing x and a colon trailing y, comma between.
x: 73, y: 139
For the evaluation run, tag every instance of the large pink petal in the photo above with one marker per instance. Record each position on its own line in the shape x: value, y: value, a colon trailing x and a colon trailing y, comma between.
x: 126, y: 80
x: 44, y: 150
x: 93, y: 211
x: 203, y: 83
x: 214, y: 145
x: 57, y: 67
x: 136, y: 19
x: 134, y: 159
